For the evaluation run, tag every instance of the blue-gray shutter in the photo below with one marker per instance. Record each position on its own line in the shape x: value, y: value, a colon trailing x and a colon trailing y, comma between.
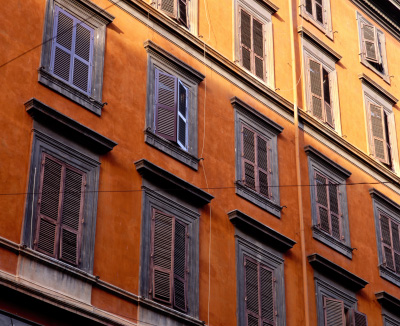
x: 334, y: 312
x: 183, y: 109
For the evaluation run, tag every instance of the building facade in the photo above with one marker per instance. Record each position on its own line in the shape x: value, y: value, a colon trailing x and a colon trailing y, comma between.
x: 188, y: 162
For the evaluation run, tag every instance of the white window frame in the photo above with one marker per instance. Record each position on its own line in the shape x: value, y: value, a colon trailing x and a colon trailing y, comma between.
x: 326, y: 27
x: 262, y: 14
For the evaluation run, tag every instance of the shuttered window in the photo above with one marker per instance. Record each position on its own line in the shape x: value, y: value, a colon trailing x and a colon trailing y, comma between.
x: 335, y: 314
x: 252, y: 40
x: 315, y: 8
x: 390, y: 239
x: 259, y: 294
x: 176, y: 9
x: 370, y: 42
x: 320, y: 83
x: 256, y: 161
x: 169, y: 256
x: 379, y: 134
x: 72, y: 51
x: 60, y: 209
x: 328, y: 206
x: 171, y: 109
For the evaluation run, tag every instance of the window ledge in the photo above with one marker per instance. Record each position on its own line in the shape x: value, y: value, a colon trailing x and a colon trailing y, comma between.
x: 377, y: 88
x: 331, y: 242
x: 385, y: 77
x: 311, y: 20
x: 69, y: 92
x: 171, y: 149
x: 257, y: 199
x: 389, y: 275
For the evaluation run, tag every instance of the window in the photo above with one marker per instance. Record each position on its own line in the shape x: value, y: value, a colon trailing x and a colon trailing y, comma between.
x: 171, y: 115
x: 387, y: 223
x: 372, y: 47
x: 254, y: 38
x: 329, y: 202
x: 318, y: 12
x: 256, y: 157
x: 390, y: 308
x: 335, y: 313
x: 73, y: 51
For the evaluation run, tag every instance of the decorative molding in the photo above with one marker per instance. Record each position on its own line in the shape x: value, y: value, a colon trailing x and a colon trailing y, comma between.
x: 377, y: 195
x: 256, y: 115
x: 272, y: 8
x: 171, y: 182
x: 388, y: 302
x: 318, y: 43
x: 337, y: 273
x: 335, y: 244
x: 377, y: 88
x: 323, y: 159
x: 254, y: 227
x: 65, y: 125
x: 95, y: 9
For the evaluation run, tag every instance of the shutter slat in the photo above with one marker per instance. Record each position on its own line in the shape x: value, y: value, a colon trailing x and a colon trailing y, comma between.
x: 245, y: 39
x: 251, y: 287
x: 377, y: 130
x: 360, y: 319
x: 183, y: 12
x: 249, y: 157
x: 258, y: 48
x: 62, y: 63
x: 168, y: 7
x: 369, y: 39
x: 322, y: 202
x: 334, y: 312
x: 316, y: 88
x: 262, y: 164
x: 180, y: 266
x: 65, y: 25
x: 183, y: 93
x: 267, y: 295
x: 386, y: 242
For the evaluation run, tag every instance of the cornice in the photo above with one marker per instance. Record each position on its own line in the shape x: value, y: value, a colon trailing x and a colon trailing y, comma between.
x: 95, y: 9
x: 272, y: 8
x: 388, y: 302
x: 377, y: 88
x: 377, y: 195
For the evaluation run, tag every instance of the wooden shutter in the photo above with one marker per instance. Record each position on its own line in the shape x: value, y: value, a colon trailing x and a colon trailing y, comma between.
x: 162, y: 255
x: 386, y: 239
x: 258, y: 49
x: 71, y: 218
x: 267, y: 296
x: 309, y: 6
x: 183, y: 12
x: 321, y: 190
x: 183, y: 94
x: 168, y: 7
x: 358, y: 318
x: 245, y: 39
x: 180, y: 266
x: 319, y: 16
x: 396, y: 245
x: 369, y: 41
x: 248, y: 157
x: 378, y: 141
x: 334, y: 210
x: 263, y: 166
x: 329, y: 115
x: 315, y: 69
x: 166, y: 105
x: 251, y: 292
x: 334, y: 312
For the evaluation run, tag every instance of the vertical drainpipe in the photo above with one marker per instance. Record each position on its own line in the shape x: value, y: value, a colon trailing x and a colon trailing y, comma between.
x: 298, y: 172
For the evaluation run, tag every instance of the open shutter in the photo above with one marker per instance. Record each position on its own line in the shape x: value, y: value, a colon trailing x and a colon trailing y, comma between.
x: 252, y: 293
x: 378, y: 132
x: 262, y: 166
x: 180, y: 266
x: 183, y: 12
x: 162, y: 255
x: 49, y: 205
x: 315, y: 69
x: 245, y: 39
x: 358, y: 318
x: 183, y: 122
x: 396, y: 245
x: 309, y: 6
x: 369, y: 41
x: 258, y: 48
x: 321, y: 190
x: 319, y: 12
x: 334, y: 312
x: 387, y: 248
x: 168, y: 7
x: 329, y: 116
x: 166, y: 105
x: 267, y: 296
x: 72, y: 215
x: 62, y: 50
x: 334, y: 210
x: 248, y: 157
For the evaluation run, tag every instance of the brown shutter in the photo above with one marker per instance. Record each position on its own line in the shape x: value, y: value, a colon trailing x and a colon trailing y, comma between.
x: 166, y: 105
x: 262, y: 166
x: 321, y: 190
x: 162, y: 255
x: 334, y: 312
x: 248, y: 157
x: 252, y: 293
x: 258, y: 48
x: 180, y: 266
x: 388, y: 260
x: 396, y: 245
x: 49, y: 205
x: 369, y: 41
x: 315, y: 69
x: 168, y: 7
x: 377, y: 132
x: 183, y: 12
x: 245, y: 39
x: 334, y: 210
x: 72, y: 215
x: 359, y: 319
x: 267, y: 296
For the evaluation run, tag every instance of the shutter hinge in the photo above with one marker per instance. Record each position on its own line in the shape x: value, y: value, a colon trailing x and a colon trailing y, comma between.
x: 152, y: 255
x: 276, y: 312
x: 342, y: 237
x: 270, y: 171
x: 244, y: 263
x: 274, y: 279
x: 150, y: 291
x: 187, y: 271
x: 83, y: 220
x: 245, y: 298
x: 35, y: 242
x: 187, y: 235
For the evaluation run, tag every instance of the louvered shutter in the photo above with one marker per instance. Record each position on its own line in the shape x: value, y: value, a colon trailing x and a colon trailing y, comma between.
x: 315, y: 69
x: 358, y: 318
x: 321, y: 190
x: 252, y: 293
x: 396, y: 245
x: 258, y: 49
x: 378, y: 132
x: 71, y: 216
x: 334, y: 312
x: 369, y: 41
x: 183, y: 122
x: 180, y: 266
x: 334, y: 210
x: 248, y: 157
x: 162, y: 255
x: 267, y: 296
x: 168, y: 7
x: 245, y: 39
x: 183, y: 12
x: 263, y: 168
x: 166, y: 105
x: 49, y: 206
x: 329, y: 115
x: 386, y: 240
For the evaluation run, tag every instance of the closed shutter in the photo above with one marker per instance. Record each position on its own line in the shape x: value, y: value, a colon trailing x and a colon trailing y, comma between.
x: 396, y: 245
x: 180, y: 266
x: 334, y: 312
x: 258, y: 48
x: 315, y: 69
x: 251, y: 292
x: 321, y: 190
x: 183, y: 122
x: 263, y: 168
x: 166, y: 105
x: 183, y: 12
x: 162, y: 255
x: 369, y: 41
x: 267, y: 296
x: 168, y: 7
x: 245, y: 39
x: 334, y: 210
x: 378, y: 141
x: 386, y: 240
x: 358, y: 318
x: 248, y: 157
